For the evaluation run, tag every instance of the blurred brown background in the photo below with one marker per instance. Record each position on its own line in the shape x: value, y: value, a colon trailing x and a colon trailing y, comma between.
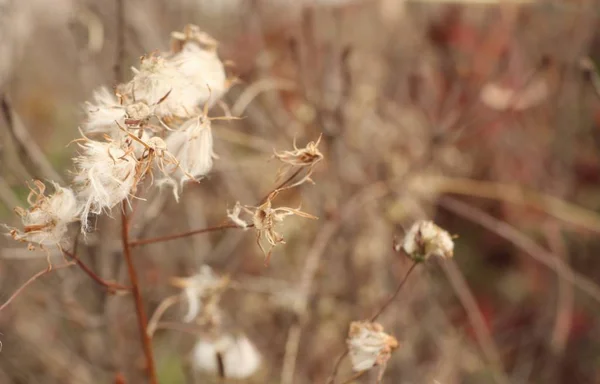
x: 480, y: 115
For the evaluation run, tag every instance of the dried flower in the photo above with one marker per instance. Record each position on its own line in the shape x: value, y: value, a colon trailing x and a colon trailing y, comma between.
x: 192, y: 145
x: 307, y: 156
x: 425, y: 239
x: 301, y: 157
x: 239, y: 356
x: 47, y: 219
x: 368, y: 345
x: 265, y: 218
x: 106, y: 175
x: 201, y: 291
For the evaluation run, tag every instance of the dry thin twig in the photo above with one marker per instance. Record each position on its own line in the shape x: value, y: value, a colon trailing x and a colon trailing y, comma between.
x: 7, y: 196
x: 31, y: 280
x: 484, y: 338
x: 522, y: 242
x: 393, y: 296
x: 29, y: 151
x: 111, y: 286
x: 564, y: 305
x: 217, y: 228
x: 160, y: 310
x: 163, y: 239
x: 554, y: 206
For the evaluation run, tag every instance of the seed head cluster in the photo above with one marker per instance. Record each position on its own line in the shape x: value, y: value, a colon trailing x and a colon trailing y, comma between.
x: 154, y: 127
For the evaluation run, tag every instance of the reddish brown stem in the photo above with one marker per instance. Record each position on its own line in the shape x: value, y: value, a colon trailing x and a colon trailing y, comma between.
x: 391, y: 299
x: 139, y: 304
x: 107, y: 284
x: 280, y: 186
x: 162, y: 239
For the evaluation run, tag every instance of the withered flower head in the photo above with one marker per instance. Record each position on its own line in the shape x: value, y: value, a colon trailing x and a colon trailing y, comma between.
x: 426, y: 239
x: 46, y: 220
x: 307, y: 157
x: 368, y: 345
x: 265, y: 218
x: 202, y: 293
x: 303, y: 157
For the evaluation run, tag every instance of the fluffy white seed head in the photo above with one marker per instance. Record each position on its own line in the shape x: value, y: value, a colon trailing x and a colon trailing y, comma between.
x: 425, y: 239
x: 106, y: 176
x: 241, y: 359
x: 47, y: 219
x: 205, y: 70
x: 192, y: 146
x: 160, y: 84
x: 102, y: 113
x: 368, y: 345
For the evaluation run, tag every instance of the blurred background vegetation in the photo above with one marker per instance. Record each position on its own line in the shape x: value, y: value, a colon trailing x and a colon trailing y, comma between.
x: 481, y: 115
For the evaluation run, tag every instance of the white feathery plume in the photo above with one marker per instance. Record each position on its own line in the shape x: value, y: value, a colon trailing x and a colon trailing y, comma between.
x: 103, y: 112
x: 192, y: 145
x: 205, y: 70
x: 159, y: 83
x: 106, y: 176
x: 240, y: 357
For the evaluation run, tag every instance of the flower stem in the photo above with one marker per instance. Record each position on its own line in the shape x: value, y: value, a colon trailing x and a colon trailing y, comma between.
x: 139, y: 304
x: 111, y: 286
x: 162, y: 239
x: 391, y: 299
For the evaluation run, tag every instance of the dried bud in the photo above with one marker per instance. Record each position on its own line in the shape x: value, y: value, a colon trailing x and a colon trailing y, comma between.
x: 368, y: 345
x: 46, y: 220
x: 425, y: 239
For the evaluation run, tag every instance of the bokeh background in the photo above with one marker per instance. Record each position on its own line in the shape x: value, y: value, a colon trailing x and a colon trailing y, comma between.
x: 481, y: 115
